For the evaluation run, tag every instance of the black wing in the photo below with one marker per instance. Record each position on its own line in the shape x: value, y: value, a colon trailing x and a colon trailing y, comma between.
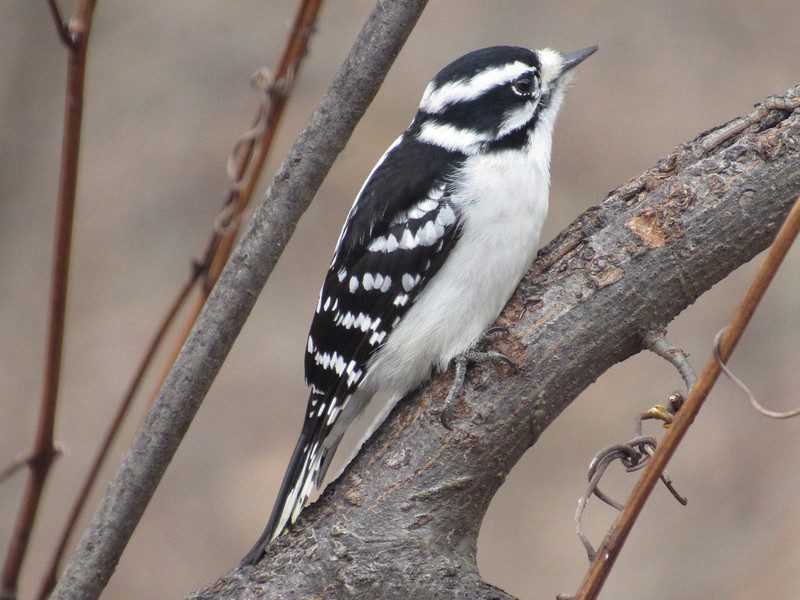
x: 397, y: 235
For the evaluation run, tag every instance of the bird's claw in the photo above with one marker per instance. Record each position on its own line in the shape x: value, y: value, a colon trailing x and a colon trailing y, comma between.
x: 495, y: 329
x: 461, y: 362
x: 458, y: 382
x: 444, y: 416
x: 492, y: 355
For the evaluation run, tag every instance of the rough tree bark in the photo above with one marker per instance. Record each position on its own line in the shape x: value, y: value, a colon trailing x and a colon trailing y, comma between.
x: 403, y: 519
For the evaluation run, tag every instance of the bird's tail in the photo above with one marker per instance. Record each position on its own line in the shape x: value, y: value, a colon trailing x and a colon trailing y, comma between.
x: 310, y: 460
x: 296, y: 487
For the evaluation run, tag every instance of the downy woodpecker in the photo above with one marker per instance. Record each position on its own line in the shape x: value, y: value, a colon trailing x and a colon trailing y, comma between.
x: 437, y: 240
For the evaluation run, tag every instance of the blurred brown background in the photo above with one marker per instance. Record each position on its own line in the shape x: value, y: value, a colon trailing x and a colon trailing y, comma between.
x: 168, y: 93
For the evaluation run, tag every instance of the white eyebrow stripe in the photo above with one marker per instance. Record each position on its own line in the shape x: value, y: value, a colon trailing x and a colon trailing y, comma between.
x: 435, y: 99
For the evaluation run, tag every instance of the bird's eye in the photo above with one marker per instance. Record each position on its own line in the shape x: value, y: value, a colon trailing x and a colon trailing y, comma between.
x: 524, y: 86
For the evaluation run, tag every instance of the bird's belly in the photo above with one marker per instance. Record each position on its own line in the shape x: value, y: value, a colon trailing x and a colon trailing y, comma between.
x: 499, y: 239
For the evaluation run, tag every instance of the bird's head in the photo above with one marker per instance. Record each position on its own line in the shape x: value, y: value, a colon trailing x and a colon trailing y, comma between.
x: 493, y: 98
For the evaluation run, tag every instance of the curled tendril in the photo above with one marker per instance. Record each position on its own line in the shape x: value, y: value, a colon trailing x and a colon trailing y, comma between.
x: 741, y: 385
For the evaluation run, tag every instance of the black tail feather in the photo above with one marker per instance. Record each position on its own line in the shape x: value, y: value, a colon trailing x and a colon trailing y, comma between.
x: 290, y: 480
x: 307, y: 467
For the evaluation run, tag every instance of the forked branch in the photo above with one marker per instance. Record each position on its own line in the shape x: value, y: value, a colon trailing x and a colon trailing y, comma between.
x: 247, y: 163
x: 615, y: 539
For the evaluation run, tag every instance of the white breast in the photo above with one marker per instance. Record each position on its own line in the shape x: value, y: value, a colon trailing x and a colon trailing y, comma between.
x: 503, y: 198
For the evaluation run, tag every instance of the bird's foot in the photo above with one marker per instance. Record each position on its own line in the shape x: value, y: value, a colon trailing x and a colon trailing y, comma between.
x: 461, y: 362
x: 488, y: 336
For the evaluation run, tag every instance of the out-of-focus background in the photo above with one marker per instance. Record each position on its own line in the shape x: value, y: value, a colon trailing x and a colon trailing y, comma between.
x: 168, y: 93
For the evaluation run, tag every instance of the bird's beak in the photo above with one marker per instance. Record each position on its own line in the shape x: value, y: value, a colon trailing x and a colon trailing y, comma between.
x: 573, y: 59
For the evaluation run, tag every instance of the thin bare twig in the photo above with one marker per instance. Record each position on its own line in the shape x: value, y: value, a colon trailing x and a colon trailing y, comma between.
x: 613, y: 542
x: 240, y: 165
x: 630, y: 454
x: 246, y: 164
x: 635, y: 454
x: 661, y: 412
x: 20, y: 462
x: 232, y: 299
x: 43, y: 453
x: 15, y: 465
x: 658, y: 344
x: 49, y: 581
x: 61, y: 27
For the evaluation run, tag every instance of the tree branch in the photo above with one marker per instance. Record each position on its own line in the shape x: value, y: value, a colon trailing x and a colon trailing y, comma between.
x: 232, y: 299
x: 603, y: 561
x: 245, y: 165
x: 404, y: 516
x: 249, y: 156
x: 50, y: 578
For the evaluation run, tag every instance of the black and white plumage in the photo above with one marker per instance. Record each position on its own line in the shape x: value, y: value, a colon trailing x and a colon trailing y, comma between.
x: 434, y: 245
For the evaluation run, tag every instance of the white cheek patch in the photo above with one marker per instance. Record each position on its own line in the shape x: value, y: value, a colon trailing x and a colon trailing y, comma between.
x: 515, y: 119
x: 436, y: 99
